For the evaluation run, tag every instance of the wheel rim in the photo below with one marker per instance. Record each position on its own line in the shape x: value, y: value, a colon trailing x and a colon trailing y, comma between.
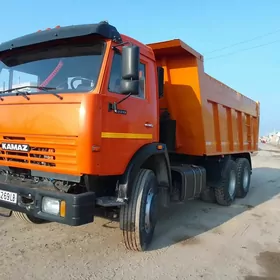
x: 150, y: 211
x: 232, y: 183
x: 245, y: 178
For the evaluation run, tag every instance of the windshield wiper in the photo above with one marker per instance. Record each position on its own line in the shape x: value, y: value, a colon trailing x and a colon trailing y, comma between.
x: 17, y: 88
x: 23, y: 93
x: 46, y: 89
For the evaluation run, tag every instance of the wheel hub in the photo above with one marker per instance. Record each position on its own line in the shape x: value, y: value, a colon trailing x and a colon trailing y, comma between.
x: 245, y: 178
x: 232, y: 183
x: 150, y: 211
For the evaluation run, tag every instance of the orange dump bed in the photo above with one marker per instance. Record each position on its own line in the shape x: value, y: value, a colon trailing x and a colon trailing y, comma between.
x: 211, y: 117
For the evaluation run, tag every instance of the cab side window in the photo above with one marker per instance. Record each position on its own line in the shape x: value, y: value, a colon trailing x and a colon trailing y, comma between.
x: 115, y: 76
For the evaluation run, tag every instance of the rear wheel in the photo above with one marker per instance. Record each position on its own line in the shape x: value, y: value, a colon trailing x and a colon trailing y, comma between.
x: 243, y: 177
x: 225, y: 191
x: 27, y: 218
x: 138, y: 218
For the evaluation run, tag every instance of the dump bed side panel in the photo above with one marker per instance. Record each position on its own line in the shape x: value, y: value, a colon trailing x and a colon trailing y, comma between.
x: 211, y: 118
x: 231, y: 120
x: 182, y: 101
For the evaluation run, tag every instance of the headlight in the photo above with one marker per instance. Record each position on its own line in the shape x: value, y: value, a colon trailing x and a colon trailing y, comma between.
x: 50, y: 205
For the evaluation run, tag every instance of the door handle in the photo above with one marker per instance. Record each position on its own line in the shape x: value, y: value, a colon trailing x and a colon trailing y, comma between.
x: 149, y: 125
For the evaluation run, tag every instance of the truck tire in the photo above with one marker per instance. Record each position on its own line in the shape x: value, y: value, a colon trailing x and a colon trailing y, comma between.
x: 27, y: 218
x: 243, y: 177
x: 225, y: 190
x: 138, y: 218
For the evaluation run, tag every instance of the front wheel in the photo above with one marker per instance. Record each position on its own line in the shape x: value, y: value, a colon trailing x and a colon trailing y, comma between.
x: 27, y: 218
x: 138, y: 218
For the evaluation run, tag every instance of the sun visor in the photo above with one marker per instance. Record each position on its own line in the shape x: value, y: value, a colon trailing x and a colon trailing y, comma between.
x: 102, y: 29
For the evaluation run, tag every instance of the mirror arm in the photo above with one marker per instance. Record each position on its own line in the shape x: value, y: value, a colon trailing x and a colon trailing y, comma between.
x: 114, y: 106
x: 120, y: 101
x: 115, y: 47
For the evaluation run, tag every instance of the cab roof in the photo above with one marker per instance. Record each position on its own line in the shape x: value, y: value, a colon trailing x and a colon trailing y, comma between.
x: 102, y: 29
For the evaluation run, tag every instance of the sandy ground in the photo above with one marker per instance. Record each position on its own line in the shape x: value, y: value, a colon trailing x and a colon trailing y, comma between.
x: 193, y: 241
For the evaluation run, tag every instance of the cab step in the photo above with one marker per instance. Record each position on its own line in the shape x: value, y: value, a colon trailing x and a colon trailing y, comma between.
x: 109, y: 201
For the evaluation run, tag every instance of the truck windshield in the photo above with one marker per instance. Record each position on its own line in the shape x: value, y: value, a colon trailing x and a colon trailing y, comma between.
x: 65, y: 68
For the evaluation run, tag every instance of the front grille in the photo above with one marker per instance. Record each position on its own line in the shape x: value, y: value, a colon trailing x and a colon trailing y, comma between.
x: 35, y: 156
x: 44, y: 151
x: 38, y: 154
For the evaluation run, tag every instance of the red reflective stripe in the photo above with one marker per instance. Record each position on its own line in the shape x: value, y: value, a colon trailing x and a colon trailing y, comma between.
x: 53, y: 74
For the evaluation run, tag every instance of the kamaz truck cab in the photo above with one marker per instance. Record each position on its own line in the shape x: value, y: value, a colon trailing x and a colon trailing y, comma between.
x: 75, y: 108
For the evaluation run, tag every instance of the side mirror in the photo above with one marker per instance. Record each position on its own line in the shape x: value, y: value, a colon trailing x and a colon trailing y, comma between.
x: 130, y: 62
x: 130, y: 70
x: 129, y: 87
x: 160, y: 75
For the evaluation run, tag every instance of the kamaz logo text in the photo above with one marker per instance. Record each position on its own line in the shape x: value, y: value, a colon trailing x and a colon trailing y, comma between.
x: 15, y: 147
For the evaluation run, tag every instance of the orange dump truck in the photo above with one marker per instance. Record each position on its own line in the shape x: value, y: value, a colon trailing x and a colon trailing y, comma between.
x: 93, y: 119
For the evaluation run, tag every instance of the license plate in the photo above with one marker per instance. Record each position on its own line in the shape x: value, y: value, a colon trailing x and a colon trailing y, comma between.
x: 8, y: 196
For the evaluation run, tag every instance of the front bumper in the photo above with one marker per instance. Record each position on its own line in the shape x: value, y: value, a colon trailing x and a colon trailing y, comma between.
x: 79, y: 207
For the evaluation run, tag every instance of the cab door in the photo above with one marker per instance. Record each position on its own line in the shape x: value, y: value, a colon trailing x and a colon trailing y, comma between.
x: 134, y: 125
